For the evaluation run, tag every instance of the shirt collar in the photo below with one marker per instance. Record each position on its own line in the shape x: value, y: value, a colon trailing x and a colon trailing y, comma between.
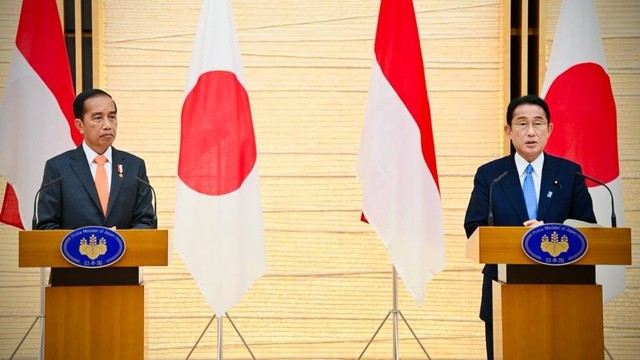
x: 91, y: 155
x: 521, y: 164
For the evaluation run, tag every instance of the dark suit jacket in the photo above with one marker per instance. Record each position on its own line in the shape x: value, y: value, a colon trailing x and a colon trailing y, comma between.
x: 563, y: 195
x: 72, y: 202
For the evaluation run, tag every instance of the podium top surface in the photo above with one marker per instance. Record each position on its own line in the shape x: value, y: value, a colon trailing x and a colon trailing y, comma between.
x: 503, y: 245
x: 145, y: 247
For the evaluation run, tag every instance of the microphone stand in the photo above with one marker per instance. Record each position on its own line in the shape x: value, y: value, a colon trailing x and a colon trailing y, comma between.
x: 613, y: 207
x: 395, y: 311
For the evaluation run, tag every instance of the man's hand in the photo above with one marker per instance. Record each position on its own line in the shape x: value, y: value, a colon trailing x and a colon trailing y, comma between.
x: 532, y: 223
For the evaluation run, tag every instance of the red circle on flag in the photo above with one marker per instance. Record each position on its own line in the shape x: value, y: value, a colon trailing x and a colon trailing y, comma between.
x: 584, y: 113
x: 217, y: 142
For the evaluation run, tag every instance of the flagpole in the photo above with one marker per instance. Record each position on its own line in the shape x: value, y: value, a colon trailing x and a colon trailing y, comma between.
x: 220, y: 320
x: 395, y: 311
x: 219, y: 337
x: 396, y: 344
x: 42, y: 313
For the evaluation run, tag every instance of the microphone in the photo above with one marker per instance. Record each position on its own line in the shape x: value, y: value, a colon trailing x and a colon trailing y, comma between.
x: 155, y: 203
x: 34, y: 220
x: 490, y: 217
x: 613, y: 209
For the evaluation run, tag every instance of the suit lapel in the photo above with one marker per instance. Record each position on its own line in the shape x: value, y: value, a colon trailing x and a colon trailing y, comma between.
x: 118, y: 158
x: 81, y: 169
x: 547, y: 188
x: 511, y: 186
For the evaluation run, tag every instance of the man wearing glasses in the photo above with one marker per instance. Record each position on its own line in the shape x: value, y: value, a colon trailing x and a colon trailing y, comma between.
x: 531, y: 188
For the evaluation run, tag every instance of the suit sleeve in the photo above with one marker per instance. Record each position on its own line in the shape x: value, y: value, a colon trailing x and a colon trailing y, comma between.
x: 143, y: 214
x: 581, y: 204
x: 478, y: 208
x: 49, y: 202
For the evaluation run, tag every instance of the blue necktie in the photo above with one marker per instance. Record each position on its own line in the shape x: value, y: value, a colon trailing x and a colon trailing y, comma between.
x: 529, y: 191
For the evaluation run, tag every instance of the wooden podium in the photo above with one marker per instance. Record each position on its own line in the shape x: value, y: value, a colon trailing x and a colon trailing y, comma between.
x: 94, y: 321
x: 547, y: 312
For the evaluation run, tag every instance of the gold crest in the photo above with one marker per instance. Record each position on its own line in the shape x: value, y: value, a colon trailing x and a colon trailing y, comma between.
x: 554, y: 246
x: 93, y: 248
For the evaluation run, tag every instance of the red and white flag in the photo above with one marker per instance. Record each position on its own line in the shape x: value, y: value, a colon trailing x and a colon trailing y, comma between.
x: 218, y: 228
x: 397, y: 161
x: 578, y: 90
x: 36, y: 118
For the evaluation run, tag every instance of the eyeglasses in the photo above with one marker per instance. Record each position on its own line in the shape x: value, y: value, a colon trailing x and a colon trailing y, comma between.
x: 524, y: 126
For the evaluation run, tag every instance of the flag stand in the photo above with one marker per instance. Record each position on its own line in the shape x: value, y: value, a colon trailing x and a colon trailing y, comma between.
x: 395, y: 312
x: 39, y: 317
x: 219, y: 351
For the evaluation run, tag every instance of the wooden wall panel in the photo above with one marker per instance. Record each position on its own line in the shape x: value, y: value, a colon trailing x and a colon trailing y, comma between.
x: 307, y: 67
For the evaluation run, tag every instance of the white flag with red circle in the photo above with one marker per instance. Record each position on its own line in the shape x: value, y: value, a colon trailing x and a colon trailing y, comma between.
x: 218, y: 227
x: 578, y: 90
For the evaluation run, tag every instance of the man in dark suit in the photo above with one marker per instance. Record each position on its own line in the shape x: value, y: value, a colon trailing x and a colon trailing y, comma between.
x: 69, y: 197
x: 560, y: 193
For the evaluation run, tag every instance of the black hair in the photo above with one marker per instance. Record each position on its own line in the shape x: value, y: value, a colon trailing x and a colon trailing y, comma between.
x: 527, y: 99
x: 78, y: 103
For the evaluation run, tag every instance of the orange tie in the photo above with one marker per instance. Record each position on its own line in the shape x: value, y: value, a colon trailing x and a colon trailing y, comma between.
x: 102, y: 185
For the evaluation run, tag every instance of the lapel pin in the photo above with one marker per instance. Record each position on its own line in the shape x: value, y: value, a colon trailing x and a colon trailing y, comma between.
x: 549, y: 194
x: 120, y: 170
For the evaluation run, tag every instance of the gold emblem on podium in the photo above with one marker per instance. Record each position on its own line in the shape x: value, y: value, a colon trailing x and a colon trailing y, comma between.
x: 554, y: 246
x: 94, y: 247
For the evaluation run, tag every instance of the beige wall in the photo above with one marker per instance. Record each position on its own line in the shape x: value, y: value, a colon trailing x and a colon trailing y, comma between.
x: 307, y: 67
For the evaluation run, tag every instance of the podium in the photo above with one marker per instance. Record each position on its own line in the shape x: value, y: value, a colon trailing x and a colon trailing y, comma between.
x: 547, y: 312
x: 94, y: 321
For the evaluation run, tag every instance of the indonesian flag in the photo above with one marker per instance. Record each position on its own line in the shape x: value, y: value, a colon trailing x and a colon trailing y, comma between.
x: 578, y: 90
x: 397, y: 161
x: 218, y: 217
x: 36, y: 118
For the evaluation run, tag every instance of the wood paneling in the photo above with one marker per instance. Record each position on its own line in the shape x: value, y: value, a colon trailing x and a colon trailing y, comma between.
x: 536, y: 321
x: 502, y: 245
x: 41, y: 248
x: 94, y: 322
